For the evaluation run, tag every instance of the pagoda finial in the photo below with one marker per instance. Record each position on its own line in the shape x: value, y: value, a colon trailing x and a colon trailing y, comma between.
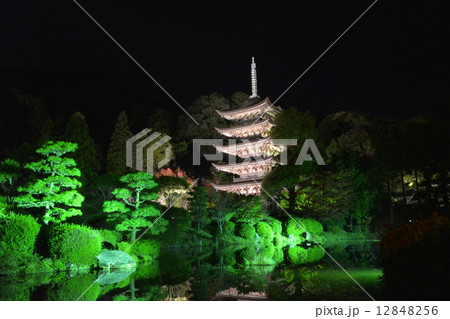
x: 254, y: 85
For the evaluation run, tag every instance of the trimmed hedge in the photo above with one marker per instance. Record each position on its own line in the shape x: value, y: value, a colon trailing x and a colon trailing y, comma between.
x: 75, y: 244
x: 302, y: 225
x: 277, y: 226
x: 18, y: 234
x: 265, y: 231
x: 299, y: 255
x: 247, y: 231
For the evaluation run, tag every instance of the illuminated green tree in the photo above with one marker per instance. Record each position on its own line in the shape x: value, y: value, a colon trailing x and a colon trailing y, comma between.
x: 116, y: 157
x: 56, y: 191
x: 134, y: 206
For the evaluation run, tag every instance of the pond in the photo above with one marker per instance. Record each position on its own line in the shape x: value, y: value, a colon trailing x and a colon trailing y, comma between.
x: 229, y: 273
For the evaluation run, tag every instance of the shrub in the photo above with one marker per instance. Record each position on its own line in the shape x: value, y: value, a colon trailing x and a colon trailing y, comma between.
x: 313, y: 226
x: 300, y: 226
x: 278, y: 255
x: 110, y: 236
x: 292, y: 228
x: 228, y: 229
x: 18, y: 233
x: 297, y: 255
x: 75, y: 244
x: 145, y: 249
x: 70, y: 289
x: 277, y: 226
x: 265, y: 231
x: 247, y: 231
x: 248, y: 253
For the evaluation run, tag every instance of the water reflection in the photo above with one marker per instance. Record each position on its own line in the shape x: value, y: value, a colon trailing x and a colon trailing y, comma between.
x: 231, y: 273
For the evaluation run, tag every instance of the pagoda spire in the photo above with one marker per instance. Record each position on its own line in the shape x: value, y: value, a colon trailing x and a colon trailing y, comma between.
x: 254, y: 84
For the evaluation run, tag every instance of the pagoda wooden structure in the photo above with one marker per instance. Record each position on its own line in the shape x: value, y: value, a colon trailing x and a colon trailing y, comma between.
x: 253, y: 121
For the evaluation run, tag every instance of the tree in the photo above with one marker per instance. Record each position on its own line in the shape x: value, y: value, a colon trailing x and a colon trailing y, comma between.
x: 161, y: 120
x: 285, y: 181
x: 238, y: 98
x: 222, y: 208
x: 203, y: 110
x: 173, y: 191
x: 56, y: 192
x: 101, y: 189
x: 116, y: 156
x: 199, y: 208
x: 10, y: 172
x: 134, y: 206
x: 173, y: 186
x: 86, y: 154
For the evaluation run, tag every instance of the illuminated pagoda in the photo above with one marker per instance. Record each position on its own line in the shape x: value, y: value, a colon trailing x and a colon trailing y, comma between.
x: 253, y: 121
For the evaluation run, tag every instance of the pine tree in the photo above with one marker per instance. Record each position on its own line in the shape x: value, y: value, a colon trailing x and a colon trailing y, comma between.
x: 116, y: 157
x: 56, y: 192
x: 134, y: 208
x: 85, y: 156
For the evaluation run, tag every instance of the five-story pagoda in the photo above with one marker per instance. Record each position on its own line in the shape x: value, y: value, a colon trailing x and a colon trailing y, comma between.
x: 253, y: 121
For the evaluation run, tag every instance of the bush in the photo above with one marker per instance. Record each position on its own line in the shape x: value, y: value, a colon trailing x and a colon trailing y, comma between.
x: 265, y: 231
x: 18, y: 233
x: 228, y: 229
x: 278, y: 255
x: 70, y: 289
x: 277, y: 226
x: 248, y: 254
x: 110, y: 236
x: 247, y: 231
x: 297, y: 255
x: 144, y: 249
x: 300, y: 226
x: 75, y: 244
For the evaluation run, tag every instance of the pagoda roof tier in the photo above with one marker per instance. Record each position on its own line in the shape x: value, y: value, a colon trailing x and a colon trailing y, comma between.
x: 247, y: 169
x: 261, y: 147
x: 251, y: 187
x: 260, y: 128
x: 252, y: 111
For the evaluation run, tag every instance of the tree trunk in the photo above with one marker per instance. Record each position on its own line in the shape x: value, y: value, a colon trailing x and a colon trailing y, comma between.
x: 133, y: 235
x: 132, y: 289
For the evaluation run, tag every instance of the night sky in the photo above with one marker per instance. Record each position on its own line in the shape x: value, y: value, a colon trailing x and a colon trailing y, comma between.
x: 393, y: 62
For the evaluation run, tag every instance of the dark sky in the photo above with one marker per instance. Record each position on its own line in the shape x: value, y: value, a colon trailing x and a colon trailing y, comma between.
x: 394, y: 61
